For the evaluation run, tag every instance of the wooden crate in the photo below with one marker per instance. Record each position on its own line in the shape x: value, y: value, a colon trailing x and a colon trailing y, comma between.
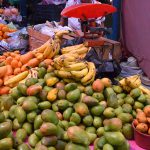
x: 36, y: 39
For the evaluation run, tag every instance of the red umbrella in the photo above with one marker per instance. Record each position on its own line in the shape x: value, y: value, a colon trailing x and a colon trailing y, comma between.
x: 85, y: 11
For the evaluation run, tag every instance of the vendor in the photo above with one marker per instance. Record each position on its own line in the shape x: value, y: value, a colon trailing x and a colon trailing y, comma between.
x: 74, y: 23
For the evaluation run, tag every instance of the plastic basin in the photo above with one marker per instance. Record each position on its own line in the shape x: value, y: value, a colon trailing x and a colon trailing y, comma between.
x: 142, y: 140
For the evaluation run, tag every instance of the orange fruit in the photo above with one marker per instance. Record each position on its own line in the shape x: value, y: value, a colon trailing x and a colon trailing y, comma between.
x: 17, y: 71
x: 14, y: 63
x: 19, y: 64
x: 9, y: 60
x: 5, y: 35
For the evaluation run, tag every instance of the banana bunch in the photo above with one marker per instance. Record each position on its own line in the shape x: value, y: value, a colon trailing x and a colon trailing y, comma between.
x: 59, y: 35
x: 130, y: 83
x: 69, y: 67
x: 47, y: 50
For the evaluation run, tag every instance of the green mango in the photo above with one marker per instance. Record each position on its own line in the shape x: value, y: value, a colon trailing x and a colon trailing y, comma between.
x: 109, y: 112
x: 38, y: 133
x: 6, y: 114
x: 138, y: 105
x: 78, y: 135
x: 44, y: 105
x: 33, y: 140
x: 73, y: 96
x: 33, y: 99
x: 28, y: 128
x: 117, y: 89
x: 20, y: 114
x: 97, y: 110
x: 95, y: 144
x: 127, y: 130
x: 75, y: 118
x: 31, y: 81
x: 114, y: 138
x: 92, y: 137
x: 12, y: 112
x: 81, y: 109
x: 16, y: 124
x: 6, y: 144
x: 88, y: 90
x: 51, y: 148
x: 2, y: 117
x: 61, y: 94
x: 98, y: 96
x: 118, y: 110
x: 47, y: 89
x: 134, y: 113
x: 15, y: 93
x: 81, y: 88
x: 49, y: 116
x: 38, y: 122
x: 55, y: 107
x: 22, y: 88
x: 70, y: 87
x: 23, y: 147
x: 41, y: 147
x: 21, y: 135
x: 129, y: 100
x: 29, y: 106
x: 41, y: 82
x: 67, y: 113
x: 49, y: 141
x: 48, y: 129
x: 65, y: 136
x: 108, y: 147
x: 20, y: 100
x: 88, y: 120
x: 108, y: 91
x: 101, y: 142
x: 43, y: 95
x: 72, y: 146
x: 135, y: 93
x: 112, y: 100
x: 120, y: 102
x: 127, y: 108
x: 97, y: 122
x: 31, y: 116
x: 124, y: 146
x: 100, y: 131
x: 91, y: 129
x: 125, y: 117
x: 90, y: 101
x: 60, y: 145
x: 65, y: 124
x: 121, y: 96
x: 48, y: 75
x: 41, y: 72
x: 142, y: 98
x: 60, y: 132
x: 62, y: 104
x: 5, y: 129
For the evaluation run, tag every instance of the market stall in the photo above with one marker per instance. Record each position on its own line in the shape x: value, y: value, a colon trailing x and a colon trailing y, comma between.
x: 60, y: 95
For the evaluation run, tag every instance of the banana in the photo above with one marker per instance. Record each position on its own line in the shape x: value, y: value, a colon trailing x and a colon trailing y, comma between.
x: 76, y: 67
x: 80, y: 51
x: 61, y: 33
x: 91, y: 80
x: 144, y: 90
x: 90, y: 74
x: 57, y: 66
x: 80, y: 74
x: 68, y: 80
x: 42, y: 48
x: 56, y: 48
x: 63, y: 74
x: 126, y: 88
x: 47, y: 51
x: 122, y: 82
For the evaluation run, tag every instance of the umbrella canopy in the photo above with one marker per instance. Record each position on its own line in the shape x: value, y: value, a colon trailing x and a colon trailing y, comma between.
x: 87, y: 11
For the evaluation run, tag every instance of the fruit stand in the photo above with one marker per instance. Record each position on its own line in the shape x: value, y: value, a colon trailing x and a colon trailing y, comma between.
x: 50, y: 99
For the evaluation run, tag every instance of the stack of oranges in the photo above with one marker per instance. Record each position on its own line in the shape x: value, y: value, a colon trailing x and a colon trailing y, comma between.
x: 4, y: 31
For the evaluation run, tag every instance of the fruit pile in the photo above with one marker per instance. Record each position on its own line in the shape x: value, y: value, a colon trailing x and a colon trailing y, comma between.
x: 52, y: 114
x: 4, y: 31
x: 142, y: 120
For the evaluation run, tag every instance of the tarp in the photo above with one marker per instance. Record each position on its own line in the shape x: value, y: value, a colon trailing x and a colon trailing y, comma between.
x: 136, y: 30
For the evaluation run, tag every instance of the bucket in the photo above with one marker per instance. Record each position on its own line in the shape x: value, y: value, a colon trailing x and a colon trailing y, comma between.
x: 142, y: 140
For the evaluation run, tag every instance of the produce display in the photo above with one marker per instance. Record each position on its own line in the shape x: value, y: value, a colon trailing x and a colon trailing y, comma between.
x: 4, y: 31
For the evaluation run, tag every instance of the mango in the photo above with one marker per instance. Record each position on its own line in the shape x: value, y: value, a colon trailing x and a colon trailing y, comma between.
x: 5, y: 129
x: 34, y: 90
x: 138, y: 105
x: 41, y: 147
x: 29, y: 106
x: 31, y: 116
x: 95, y: 144
x: 129, y: 100
x: 81, y: 109
x: 28, y: 128
x: 23, y: 147
x: 118, y: 110
x: 43, y: 95
x: 108, y: 91
x: 49, y: 116
x: 92, y: 137
x: 75, y: 118
x: 47, y: 88
x: 41, y: 72
x: 100, y: 131
x: 73, y: 96
x: 64, y: 124
x: 91, y: 129
x: 135, y: 93
x: 114, y: 138
x: 31, y: 81
x: 97, y: 110
x: 16, y: 124
x: 60, y: 85
x: 48, y: 129
x: 88, y: 120
x: 81, y: 88
x: 51, y: 148
x: 97, y: 122
x: 60, y: 132
x: 12, y: 112
x: 61, y: 94
x: 44, y: 105
x: 90, y: 101
x: 2, y: 117
x: 41, y: 82
x: 38, y: 133
x: 52, y: 95
x: 112, y: 100
x: 22, y: 88
x: 33, y: 140
x: 101, y: 142
x: 124, y: 146
x: 52, y: 81
x: 15, y: 93
x: 120, y: 102
x: 62, y: 104
x: 127, y: 108
x: 49, y: 141
x: 117, y: 89
x: 121, y: 96
x: 78, y: 135
x: 108, y: 147
x: 49, y: 75
x: 20, y: 100
x: 142, y: 98
x: 70, y: 87
x: 67, y: 113
x: 33, y: 99
x: 127, y: 130
x: 72, y: 146
x: 21, y: 135
x: 55, y: 107
x: 109, y: 112
x: 88, y: 90
x: 6, y: 114
x: 38, y: 122
x: 20, y: 114
x: 98, y: 96
x: 6, y: 144
x: 125, y: 117
x: 60, y: 145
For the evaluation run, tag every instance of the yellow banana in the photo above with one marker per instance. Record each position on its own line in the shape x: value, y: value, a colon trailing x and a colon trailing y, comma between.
x: 80, y: 74
x: 144, y: 90
x: 61, y: 33
x: 42, y: 48
x: 126, y: 88
x: 63, y: 74
x: 47, y: 51
x: 68, y: 80
x: 90, y: 74
x: 80, y: 51
x: 57, y: 66
x: 76, y: 67
x: 122, y: 82
x: 91, y: 80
